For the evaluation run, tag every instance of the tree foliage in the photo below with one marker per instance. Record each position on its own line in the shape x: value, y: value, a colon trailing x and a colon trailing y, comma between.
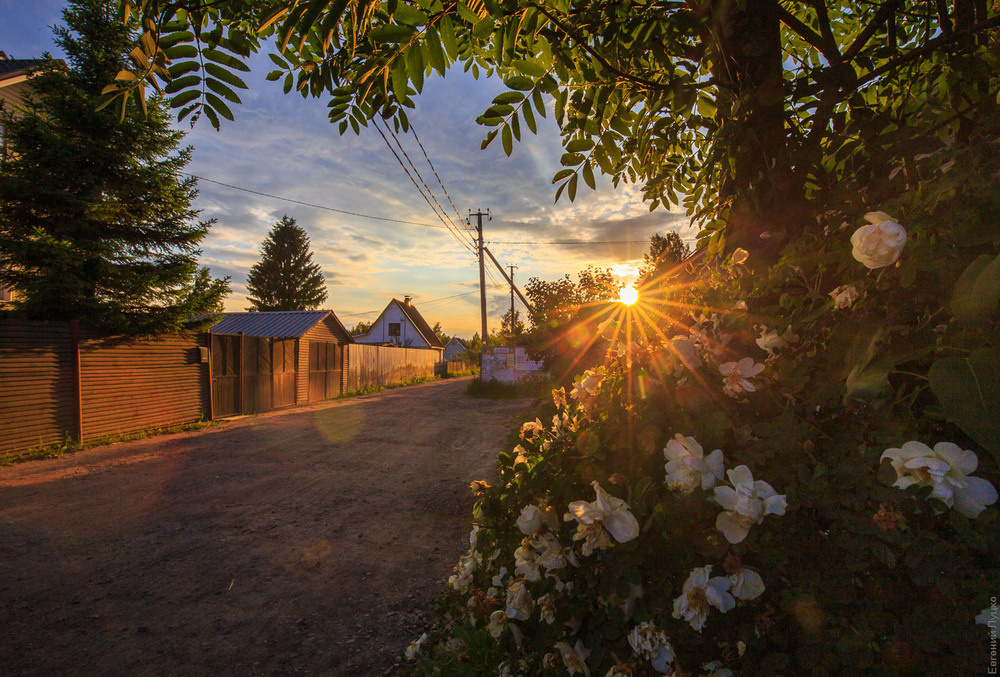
x: 743, y: 112
x: 286, y: 278
x: 95, y: 220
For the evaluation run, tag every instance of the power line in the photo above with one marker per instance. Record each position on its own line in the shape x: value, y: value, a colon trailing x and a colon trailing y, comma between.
x: 580, y: 242
x: 310, y: 204
x: 443, y: 298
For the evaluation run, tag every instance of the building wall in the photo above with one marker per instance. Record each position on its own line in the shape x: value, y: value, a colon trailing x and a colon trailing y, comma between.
x: 379, y: 333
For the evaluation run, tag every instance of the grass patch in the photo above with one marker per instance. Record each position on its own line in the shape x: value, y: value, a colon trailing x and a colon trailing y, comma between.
x: 539, y: 387
x: 68, y: 446
x: 374, y: 389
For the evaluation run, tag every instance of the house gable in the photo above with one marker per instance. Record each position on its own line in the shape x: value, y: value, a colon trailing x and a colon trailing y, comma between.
x: 402, y: 325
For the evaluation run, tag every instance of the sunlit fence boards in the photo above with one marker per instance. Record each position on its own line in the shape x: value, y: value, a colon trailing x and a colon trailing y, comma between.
x: 370, y: 366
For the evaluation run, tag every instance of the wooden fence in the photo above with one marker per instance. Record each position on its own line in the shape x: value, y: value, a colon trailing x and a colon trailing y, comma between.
x: 373, y: 366
x: 58, y: 381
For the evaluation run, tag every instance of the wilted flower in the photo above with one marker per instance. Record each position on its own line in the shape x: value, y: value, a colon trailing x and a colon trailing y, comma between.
x: 844, y: 296
x: 574, y: 658
x: 684, y: 349
x: 947, y: 469
x: 770, y: 341
x: 559, y: 398
x: 652, y: 644
x: 605, y: 516
x: 413, y: 650
x: 746, y: 503
x: 462, y: 578
x: 547, y: 608
x: 687, y: 467
x: 736, y: 375
x: 740, y: 256
x: 498, y: 621
x: 551, y: 554
x: 531, y: 429
x: 879, y: 243
x: 701, y: 592
x: 524, y: 562
x: 519, y: 602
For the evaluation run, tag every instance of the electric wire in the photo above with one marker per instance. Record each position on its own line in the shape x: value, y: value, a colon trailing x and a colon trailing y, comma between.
x: 450, y: 227
x: 441, y: 183
x: 427, y: 188
x: 310, y: 204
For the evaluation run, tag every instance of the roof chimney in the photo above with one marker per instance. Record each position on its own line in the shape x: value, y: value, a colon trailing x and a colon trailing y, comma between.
x: 406, y: 300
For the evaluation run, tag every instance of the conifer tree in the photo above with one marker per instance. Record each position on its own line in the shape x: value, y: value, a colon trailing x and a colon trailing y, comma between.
x: 95, y: 218
x: 286, y: 278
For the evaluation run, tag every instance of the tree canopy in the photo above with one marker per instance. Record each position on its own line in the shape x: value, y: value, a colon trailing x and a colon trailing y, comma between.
x: 95, y: 219
x: 743, y: 112
x: 286, y: 278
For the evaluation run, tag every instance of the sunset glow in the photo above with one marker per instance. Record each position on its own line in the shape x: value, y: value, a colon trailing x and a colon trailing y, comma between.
x: 628, y: 295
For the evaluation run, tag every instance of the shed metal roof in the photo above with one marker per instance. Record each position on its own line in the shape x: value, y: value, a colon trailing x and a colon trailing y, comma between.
x: 279, y: 324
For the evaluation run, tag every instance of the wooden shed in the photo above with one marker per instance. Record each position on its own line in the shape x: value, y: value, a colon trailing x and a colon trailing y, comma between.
x: 268, y: 360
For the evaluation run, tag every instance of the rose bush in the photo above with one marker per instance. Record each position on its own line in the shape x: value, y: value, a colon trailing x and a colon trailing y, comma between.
x: 845, y: 521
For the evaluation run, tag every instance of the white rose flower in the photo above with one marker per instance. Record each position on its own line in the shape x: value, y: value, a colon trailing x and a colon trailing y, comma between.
x: 413, y: 650
x: 687, y: 466
x: 524, y: 562
x: 547, y: 608
x: 551, y: 555
x: 574, y: 658
x: 699, y: 594
x: 607, y: 516
x: 684, y: 349
x: 746, y: 503
x: 534, y: 518
x: 947, y: 468
x: 770, y: 341
x: 879, y: 243
x: 746, y: 584
x: 531, y: 429
x: 519, y: 602
x: 844, y: 296
x: 736, y: 376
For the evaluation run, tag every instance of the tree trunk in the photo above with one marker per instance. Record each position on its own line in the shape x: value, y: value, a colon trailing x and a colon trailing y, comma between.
x: 764, y: 192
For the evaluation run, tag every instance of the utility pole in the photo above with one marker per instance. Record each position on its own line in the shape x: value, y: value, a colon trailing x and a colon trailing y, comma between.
x: 482, y: 283
x: 512, y: 322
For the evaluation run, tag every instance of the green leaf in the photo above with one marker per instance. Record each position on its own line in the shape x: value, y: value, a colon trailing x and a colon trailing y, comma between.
x: 506, y: 140
x: 571, y: 159
x: 224, y: 75
x: 530, y: 68
x: 977, y: 292
x: 411, y: 16
x: 184, y: 98
x: 182, y: 67
x: 508, y: 98
x: 520, y: 82
x: 222, y: 90
x: 588, y: 176
x: 529, y: 118
x: 390, y: 34
x: 415, y: 66
x: 179, y: 84
x: 969, y: 392
x: 483, y: 28
x: 225, y: 59
x: 181, y: 52
x: 572, y: 187
x: 219, y: 105
x: 577, y: 145
x: 435, y: 53
x: 562, y: 174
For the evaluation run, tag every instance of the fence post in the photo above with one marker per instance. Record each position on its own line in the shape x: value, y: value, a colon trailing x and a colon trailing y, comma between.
x: 74, y: 330
x: 211, y: 387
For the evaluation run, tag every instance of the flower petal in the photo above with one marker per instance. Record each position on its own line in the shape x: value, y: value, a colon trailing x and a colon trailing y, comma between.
x: 974, y: 498
x: 732, y: 527
x: 622, y: 525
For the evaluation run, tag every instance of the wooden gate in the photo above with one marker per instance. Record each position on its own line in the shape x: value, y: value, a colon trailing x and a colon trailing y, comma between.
x: 259, y: 379
x: 226, y: 361
x: 325, y: 365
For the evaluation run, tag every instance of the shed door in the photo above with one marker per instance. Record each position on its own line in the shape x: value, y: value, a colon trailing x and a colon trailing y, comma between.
x: 325, y: 364
x: 226, y: 361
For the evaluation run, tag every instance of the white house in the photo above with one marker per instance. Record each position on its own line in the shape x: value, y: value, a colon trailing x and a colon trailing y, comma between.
x: 402, y: 325
x: 454, y: 347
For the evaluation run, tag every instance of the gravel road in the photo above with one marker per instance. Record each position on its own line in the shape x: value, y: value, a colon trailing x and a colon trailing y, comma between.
x: 306, y: 541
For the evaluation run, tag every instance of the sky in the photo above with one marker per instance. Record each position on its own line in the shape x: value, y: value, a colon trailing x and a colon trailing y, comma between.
x: 285, y: 147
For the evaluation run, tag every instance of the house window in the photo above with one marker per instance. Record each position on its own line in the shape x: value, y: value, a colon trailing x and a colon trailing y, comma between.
x: 394, y: 329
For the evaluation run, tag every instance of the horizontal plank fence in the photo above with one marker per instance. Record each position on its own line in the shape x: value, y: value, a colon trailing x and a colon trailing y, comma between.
x: 371, y: 366
x: 59, y: 382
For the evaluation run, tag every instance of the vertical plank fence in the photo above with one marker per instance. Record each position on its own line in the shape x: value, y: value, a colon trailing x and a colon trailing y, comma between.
x: 371, y: 366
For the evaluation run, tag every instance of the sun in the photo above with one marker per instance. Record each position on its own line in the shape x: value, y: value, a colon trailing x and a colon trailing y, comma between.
x: 628, y: 295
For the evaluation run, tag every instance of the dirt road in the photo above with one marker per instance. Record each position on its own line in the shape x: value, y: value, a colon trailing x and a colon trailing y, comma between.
x: 308, y: 541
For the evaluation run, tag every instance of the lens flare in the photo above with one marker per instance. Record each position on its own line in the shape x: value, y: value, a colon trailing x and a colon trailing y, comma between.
x: 628, y: 295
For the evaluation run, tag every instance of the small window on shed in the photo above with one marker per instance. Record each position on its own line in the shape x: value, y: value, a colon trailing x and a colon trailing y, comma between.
x: 394, y: 329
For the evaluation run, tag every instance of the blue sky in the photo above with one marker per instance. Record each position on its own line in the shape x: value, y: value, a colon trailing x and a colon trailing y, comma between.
x: 285, y: 146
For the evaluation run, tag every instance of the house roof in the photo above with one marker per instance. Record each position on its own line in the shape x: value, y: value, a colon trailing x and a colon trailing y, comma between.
x: 10, y: 68
x: 277, y: 324
x: 455, y: 339
x: 418, y: 321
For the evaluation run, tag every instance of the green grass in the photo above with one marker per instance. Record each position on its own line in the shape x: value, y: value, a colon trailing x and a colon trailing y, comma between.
x: 539, y: 387
x: 374, y: 389
x: 68, y: 446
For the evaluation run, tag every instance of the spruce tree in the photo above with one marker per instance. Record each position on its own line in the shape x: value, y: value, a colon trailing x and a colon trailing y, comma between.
x: 95, y: 218
x: 286, y: 278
